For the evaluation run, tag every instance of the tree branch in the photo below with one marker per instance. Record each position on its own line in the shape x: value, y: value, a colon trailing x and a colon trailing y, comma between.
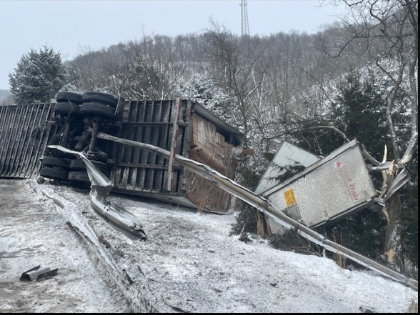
x: 342, y: 134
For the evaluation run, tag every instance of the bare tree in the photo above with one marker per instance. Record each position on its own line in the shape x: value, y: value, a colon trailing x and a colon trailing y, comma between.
x: 85, y: 69
x: 237, y: 67
x: 166, y: 56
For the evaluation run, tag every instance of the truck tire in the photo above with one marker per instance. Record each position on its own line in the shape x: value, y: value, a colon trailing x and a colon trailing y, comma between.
x: 79, y: 165
x: 69, y: 96
x: 54, y: 173
x: 56, y: 161
x: 78, y: 176
x: 103, y: 98
x: 66, y: 108
x: 97, y: 109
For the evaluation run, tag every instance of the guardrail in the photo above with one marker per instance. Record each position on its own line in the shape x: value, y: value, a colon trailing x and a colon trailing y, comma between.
x: 263, y: 205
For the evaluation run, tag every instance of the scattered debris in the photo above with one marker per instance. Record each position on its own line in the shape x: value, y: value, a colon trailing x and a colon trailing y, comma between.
x: 141, y: 271
x: 38, y: 274
x: 366, y: 309
x: 244, y: 238
x: 175, y: 308
x: 129, y: 279
x: 103, y: 240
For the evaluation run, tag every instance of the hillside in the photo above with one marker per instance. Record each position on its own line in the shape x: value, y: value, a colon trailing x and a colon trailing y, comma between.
x: 4, y: 94
x: 6, y: 97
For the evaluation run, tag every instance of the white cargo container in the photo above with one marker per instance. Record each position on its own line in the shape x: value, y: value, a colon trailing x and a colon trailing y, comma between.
x: 288, y: 155
x: 328, y: 190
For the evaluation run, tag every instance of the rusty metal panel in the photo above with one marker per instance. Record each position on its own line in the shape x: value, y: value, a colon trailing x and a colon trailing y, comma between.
x: 24, y: 134
x: 326, y: 191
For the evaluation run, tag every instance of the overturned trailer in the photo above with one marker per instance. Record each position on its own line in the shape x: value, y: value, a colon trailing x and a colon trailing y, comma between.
x: 326, y: 191
x: 174, y: 160
x: 181, y: 126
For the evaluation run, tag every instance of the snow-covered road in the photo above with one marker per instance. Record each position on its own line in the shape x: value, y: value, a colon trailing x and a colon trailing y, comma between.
x: 189, y: 263
x: 32, y: 233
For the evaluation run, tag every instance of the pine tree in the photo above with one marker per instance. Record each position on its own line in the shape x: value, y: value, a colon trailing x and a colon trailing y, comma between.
x: 363, y: 113
x: 37, y: 77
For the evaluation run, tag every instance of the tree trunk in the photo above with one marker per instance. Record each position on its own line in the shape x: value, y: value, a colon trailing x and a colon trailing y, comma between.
x: 393, y: 246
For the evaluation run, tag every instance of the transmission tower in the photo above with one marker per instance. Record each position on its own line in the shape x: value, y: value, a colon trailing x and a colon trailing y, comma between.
x: 244, y: 18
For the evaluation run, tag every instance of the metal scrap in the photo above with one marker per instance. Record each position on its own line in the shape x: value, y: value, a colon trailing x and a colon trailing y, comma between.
x: 101, y: 186
x: 37, y: 274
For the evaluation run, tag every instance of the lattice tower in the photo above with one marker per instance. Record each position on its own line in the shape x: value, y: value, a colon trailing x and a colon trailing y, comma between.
x: 244, y: 18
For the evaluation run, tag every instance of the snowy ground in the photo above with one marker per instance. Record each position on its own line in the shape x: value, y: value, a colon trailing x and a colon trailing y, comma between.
x: 189, y: 263
x: 33, y: 233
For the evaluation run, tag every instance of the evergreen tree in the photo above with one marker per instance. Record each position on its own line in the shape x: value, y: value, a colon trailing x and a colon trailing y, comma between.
x: 37, y: 77
x: 358, y: 111
x: 363, y: 113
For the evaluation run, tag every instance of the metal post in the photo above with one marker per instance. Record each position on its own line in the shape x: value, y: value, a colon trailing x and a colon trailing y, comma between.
x: 92, y: 144
x: 66, y: 132
x: 175, y: 118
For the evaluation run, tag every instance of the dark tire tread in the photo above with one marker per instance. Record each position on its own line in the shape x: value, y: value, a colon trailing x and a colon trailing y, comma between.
x: 97, y: 109
x: 103, y: 98
x: 69, y: 96
x: 54, y: 173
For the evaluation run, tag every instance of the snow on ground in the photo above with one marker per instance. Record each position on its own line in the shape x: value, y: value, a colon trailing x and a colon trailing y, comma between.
x: 190, y: 263
x: 33, y: 233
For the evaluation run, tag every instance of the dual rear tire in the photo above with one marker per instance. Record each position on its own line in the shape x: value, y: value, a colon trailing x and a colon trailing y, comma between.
x: 70, y: 108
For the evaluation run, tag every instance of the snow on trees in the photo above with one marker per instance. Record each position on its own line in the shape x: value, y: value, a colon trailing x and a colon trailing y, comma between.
x: 37, y: 77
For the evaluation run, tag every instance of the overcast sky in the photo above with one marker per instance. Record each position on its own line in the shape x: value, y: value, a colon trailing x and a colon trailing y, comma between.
x: 70, y: 26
